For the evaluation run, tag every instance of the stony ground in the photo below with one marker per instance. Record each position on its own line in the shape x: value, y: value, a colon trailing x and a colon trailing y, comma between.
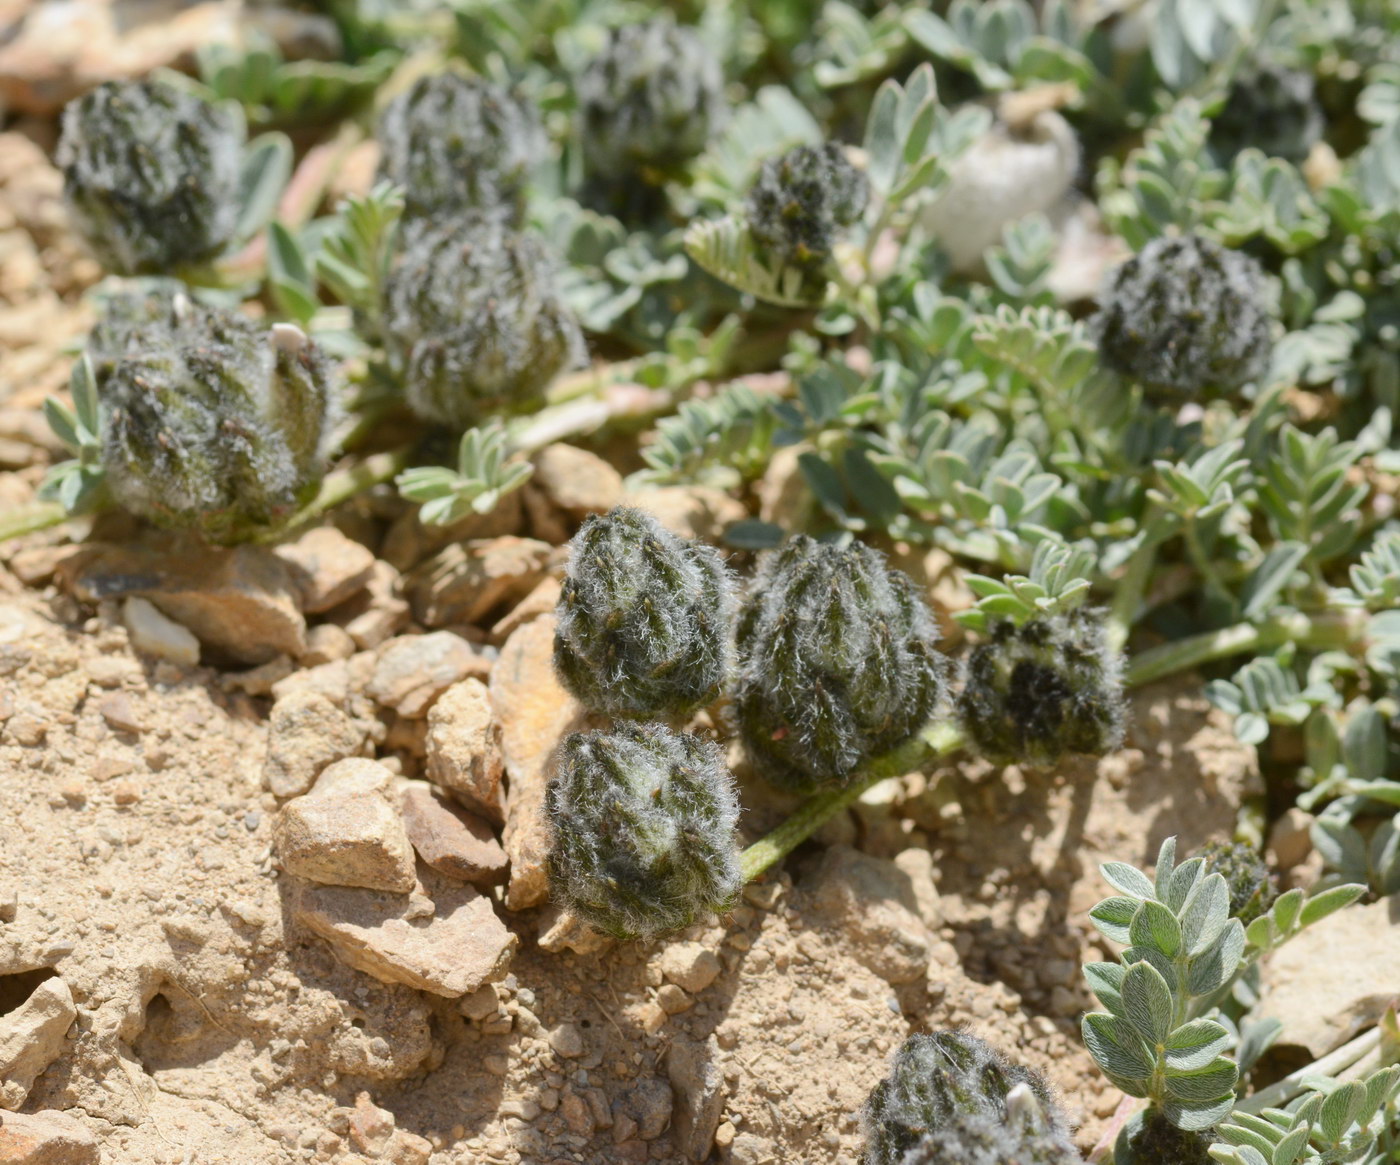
x: 271, y: 885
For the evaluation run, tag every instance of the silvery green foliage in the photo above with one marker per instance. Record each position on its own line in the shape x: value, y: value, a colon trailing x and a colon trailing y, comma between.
x: 645, y: 619
x: 1272, y: 108
x: 151, y: 175
x: 1157, y: 1038
x: 937, y: 1081
x: 649, y: 101
x: 216, y: 424
x: 980, y: 1140
x: 1252, y: 887
x: 643, y: 822
x: 483, y: 476
x: 1336, y: 1122
x: 801, y: 201
x: 1186, y: 318
x: 1048, y: 687
x: 455, y: 143
x: 837, y: 662
x: 474, y: 319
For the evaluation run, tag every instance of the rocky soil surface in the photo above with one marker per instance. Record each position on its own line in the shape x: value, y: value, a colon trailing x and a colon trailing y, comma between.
x: 271, y: 881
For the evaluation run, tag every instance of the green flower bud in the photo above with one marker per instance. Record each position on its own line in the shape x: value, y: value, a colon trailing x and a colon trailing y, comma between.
x: 1272, y: 108
x: 836, y: 662
x: 216, y: 425
x: 457, y: 143
x: 643, y: 820
x: 151, y: 175
x: 801, y: 201
x: 1034, y: 693
x: 939, y: 1080
x: 475, y: 321
x: 1151, y: 1139
x: 644, y: 619
x: 981, y: 1140
x: 1186, y: 317
x: 1252, y: 887
x: 649, y: 101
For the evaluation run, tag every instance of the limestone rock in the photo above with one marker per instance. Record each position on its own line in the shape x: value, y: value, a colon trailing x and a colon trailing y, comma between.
x: 238, y: 600
x: 462, y: 946
x: 692, y: 511
x: 347, y: 831
x: 31, y: 1038
x: 562, y: 930
x: 648, y: 1102
x: 540, y: 601
x: 376, y: 613
x: 454, y: 842
x: 873, y: 903
x: 152, y: 633
x: 306, y: 732
x: 689, y: 965
x: 46, y: 1138
x: 326, y: 567
x: 693, y: 1069
x: 1320, y: 1006
x: 578, y: 482
x: 413, y: 670
x: 464, y: 749
x: 465, y: 583
x: 534, y: 712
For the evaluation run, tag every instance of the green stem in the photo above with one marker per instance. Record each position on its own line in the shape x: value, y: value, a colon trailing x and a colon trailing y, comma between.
x: 1333, y: 630
x: 341, y: 486
x: 1127, y: 598
x: 30, y: 519
x: 938, y: 740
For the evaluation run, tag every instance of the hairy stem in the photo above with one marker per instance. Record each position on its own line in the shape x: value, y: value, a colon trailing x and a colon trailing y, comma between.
x: 341, y: 486
x: 30, y: 519
x: 1127, y: 598
x: 1333, y: 630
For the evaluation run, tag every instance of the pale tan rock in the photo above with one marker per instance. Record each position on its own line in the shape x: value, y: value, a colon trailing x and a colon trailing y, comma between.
x: 409, y: 542
x: 456, y: 949
x: 543, y: 519
x: 377, y: 613
x: 46, y: 1138
x: 457, y: 844
x: 466, y: 583
x: 464, y: 749
x: 153, y: 634
x: 326, y: 567
x: 577, y: 481
x: 412, y: 671
x: 1336, y: 978
x: 689, y: 965
x: 692, y: 511
x: 916, y: 864
x: 534, y: 712
x: 238, y: 600
x: 306, y: 732
x: 1290, y: 839
x: 540, y: 601
x: 693, y: 1068
x: 32, y: 1038
x: 346, y: 831
x: 562, y: 930
x: 326, y: 643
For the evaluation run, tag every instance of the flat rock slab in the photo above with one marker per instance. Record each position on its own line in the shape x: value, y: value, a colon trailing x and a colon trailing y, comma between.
x: 465, y: 583
x: 32, y: 1038
x: 457, y: 844
x: 347, y: 831
x: 412, y: 671
x: 458, y: 948
x: 464, y: 748
x: 46, y: 1138
x: 239, y: 600
x: 326, y: 567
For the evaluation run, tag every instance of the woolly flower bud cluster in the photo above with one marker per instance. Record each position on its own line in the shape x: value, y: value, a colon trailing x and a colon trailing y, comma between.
x: 644, y: 619
x: 474, y: 319
x: 643, y: 820
x: 151, y: 175
x: 951, y: 1097
x: 210, y: 422
x: 1253, y: 888
x: 649, y: 101
x: 1272, y: 108
x: 837, y: 662
x: 1051, y: 686
x: 1187, y: 318
x: 801, y: 200
x: 455, y: 143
